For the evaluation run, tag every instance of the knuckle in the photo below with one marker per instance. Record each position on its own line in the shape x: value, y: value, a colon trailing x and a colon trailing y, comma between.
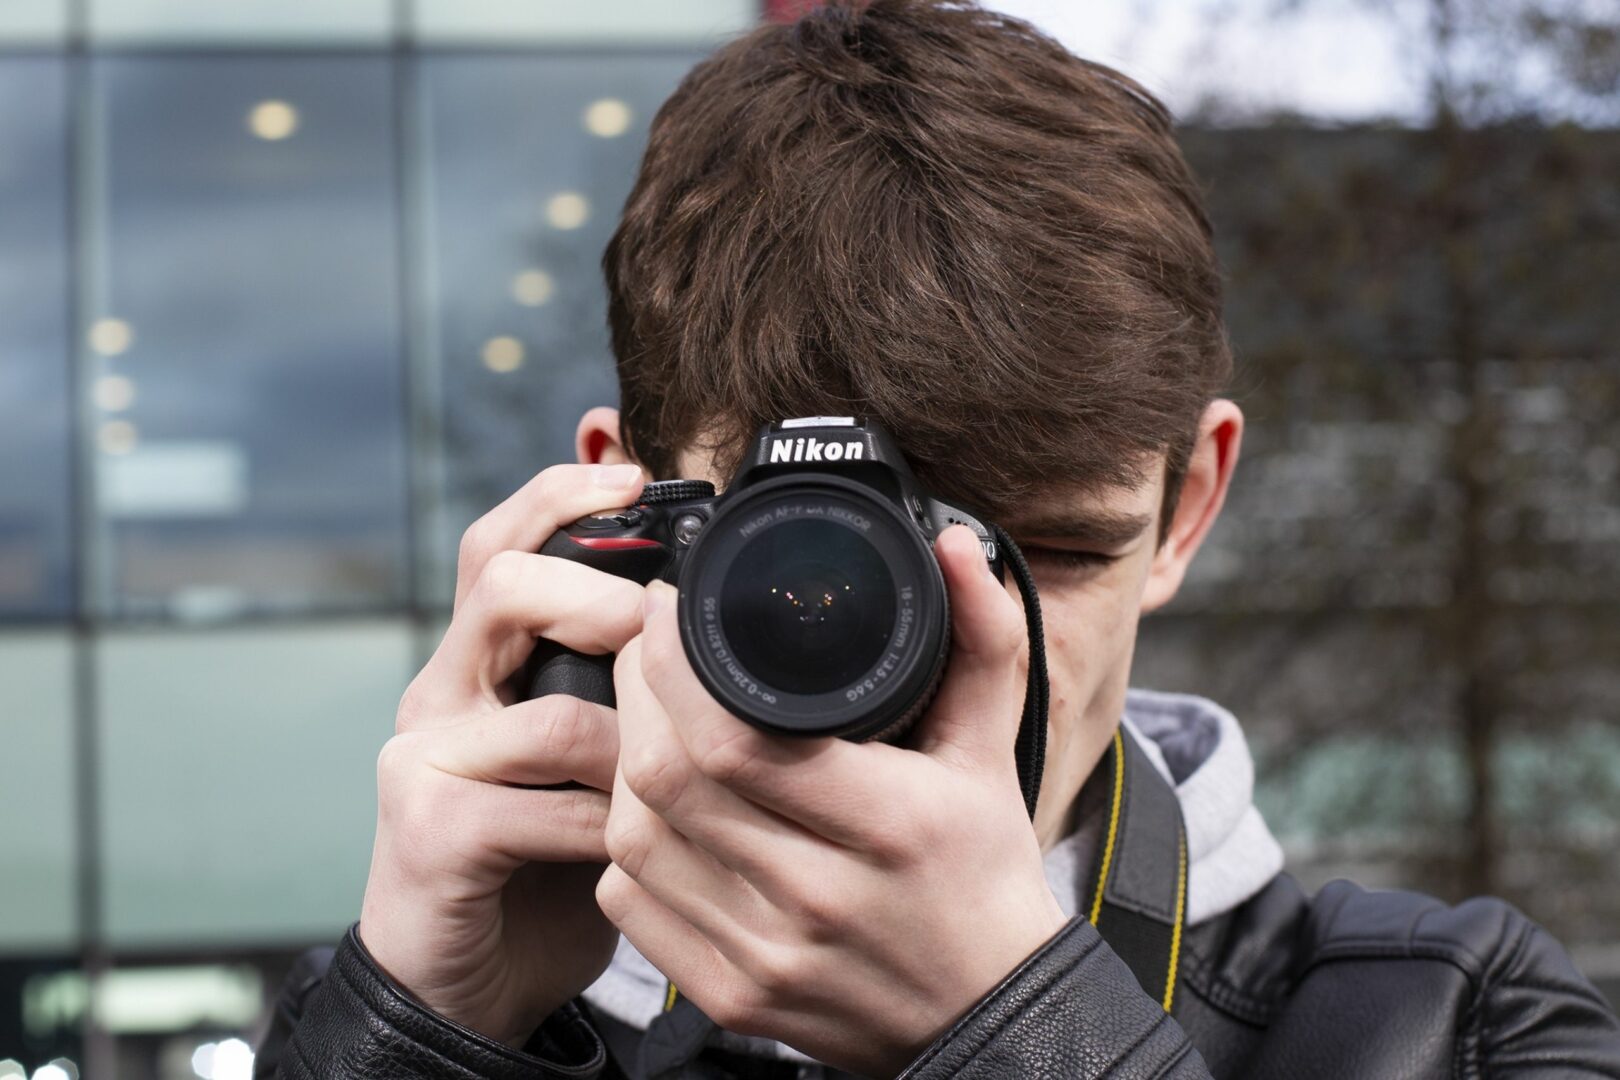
x: 777, y: 972
x: 503, y: 574
x: 657, y: 776
x: 397, y: 763
x: 412, y: 703
x: 901, y: 837
x: 614, y: 893
x: 733, y: 754
x: 564, y: 729
x: 587, y: 812
x: 736, y: 1008
x: 821, y: 916
x: 628, y: 842
x: 477, y: 543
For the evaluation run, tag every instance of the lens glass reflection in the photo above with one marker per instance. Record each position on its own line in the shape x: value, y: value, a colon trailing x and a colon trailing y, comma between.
x: 808, y: 606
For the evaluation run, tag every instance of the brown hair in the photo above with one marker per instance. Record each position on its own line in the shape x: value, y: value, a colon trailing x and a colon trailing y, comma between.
x: 933, y: 216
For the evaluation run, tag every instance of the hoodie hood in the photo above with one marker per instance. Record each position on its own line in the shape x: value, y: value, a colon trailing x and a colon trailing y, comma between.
x: 1231, y: 855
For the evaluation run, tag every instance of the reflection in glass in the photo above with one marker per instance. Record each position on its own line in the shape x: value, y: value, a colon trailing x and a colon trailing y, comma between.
x: 249, y: 240
x: 529, y: 172
x: 36, y: 492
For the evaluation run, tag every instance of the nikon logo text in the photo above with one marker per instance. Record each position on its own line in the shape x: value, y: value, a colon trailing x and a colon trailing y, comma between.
x: 813, y: 449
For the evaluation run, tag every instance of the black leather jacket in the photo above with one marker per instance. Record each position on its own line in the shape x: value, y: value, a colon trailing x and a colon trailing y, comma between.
x: 1348, y: 983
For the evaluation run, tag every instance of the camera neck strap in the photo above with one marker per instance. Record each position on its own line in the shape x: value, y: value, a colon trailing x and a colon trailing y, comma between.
x: 1030, y: 749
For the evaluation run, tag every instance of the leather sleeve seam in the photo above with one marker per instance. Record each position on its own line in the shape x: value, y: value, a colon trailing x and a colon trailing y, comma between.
x: 1221, y: 993
x: 1175, y: 1059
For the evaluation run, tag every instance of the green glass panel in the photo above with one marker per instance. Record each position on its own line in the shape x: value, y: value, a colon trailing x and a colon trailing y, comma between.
x: 238, y: 774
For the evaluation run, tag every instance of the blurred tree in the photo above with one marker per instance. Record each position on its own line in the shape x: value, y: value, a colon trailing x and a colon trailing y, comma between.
x: 1418, y: 579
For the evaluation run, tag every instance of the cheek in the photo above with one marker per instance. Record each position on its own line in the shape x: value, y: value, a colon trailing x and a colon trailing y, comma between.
x: 1090, y: 637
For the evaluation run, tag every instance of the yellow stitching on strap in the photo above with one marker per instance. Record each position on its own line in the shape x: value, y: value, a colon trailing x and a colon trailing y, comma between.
x: 1175, y: 935
x: 1113, y: 825
x: 669, y: 998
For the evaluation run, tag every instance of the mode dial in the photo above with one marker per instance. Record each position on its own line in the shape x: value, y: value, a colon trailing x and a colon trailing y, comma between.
x: 668, y: 491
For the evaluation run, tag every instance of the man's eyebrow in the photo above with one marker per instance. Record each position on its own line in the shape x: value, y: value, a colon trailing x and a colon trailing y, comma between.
x: 1104, y: 528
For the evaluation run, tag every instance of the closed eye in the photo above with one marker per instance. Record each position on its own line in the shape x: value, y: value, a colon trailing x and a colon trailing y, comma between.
x: 1067, y: 560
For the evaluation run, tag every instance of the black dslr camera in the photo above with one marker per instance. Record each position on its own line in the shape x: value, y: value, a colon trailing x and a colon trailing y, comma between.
x: 810, y: 599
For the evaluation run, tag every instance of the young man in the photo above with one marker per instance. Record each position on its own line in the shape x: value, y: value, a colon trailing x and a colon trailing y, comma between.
x: 934, y: 217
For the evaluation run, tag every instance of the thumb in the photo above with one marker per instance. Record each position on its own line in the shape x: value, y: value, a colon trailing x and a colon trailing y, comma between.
x: 974, y: 717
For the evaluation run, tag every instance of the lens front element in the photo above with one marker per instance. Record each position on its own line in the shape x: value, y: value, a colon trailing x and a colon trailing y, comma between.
x: 808, y: 606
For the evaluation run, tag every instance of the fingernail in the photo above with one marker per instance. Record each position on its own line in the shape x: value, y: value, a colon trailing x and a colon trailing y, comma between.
x: 652, y: 602
x: 616, y: 476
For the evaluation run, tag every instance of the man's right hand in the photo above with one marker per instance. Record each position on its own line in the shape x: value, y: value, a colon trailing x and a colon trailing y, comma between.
x: 481, y: 899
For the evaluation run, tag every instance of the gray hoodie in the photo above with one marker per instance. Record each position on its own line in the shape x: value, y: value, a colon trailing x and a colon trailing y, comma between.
x: 1194, y: 743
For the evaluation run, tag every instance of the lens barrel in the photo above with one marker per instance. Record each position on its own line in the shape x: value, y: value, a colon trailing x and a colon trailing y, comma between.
x: 811, y: 606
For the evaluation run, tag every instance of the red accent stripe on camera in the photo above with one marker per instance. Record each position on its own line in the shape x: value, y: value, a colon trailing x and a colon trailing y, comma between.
x: 613, y: 543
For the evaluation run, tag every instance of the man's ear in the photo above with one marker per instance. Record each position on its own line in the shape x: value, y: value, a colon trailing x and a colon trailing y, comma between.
x: 1203, y: 491
x: 596, y: 439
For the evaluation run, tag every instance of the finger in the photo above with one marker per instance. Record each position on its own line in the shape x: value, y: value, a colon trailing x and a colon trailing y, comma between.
x: 778, y: 857
x: 520, y: 597
x: 450, y: 822
x: 975, y: 715
x: 841, y: 790
x: 546, y: 826
x: 549, y: 740
x: 553, y: 498
x: 673, y: 946
x: 685, y: 878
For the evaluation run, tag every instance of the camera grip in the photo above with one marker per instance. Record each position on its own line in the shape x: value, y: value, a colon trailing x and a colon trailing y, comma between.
x: 556, y: 669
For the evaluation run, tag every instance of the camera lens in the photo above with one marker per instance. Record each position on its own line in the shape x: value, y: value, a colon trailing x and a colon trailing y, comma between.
x: 808, y: 606
x: 812, y: 605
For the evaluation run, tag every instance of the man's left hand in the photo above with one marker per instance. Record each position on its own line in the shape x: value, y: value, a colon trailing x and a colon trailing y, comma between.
x: 849, y: 899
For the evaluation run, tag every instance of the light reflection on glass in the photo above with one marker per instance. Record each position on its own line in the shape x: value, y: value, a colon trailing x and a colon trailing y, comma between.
x: 273, y: 120
x: 111, y: 337
x: 114, y: 393
x: 607, y: 118
x: 567, y: 210
x: 503, y: 354
x: 118, y: 437
x: 532, y: 288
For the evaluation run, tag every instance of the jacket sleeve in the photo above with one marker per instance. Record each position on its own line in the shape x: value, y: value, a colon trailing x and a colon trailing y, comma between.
x: 1072, y: 1010
x: 339, y: 1017
x: 1538, y: 1017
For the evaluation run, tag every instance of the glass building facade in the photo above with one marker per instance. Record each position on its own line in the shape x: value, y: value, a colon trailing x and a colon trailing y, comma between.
x: 289, y: 294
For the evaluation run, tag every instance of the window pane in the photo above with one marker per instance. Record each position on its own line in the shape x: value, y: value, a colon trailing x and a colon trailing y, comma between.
x: 32, y: 22
x: 36, y: 492
x: 622, y: 20
x: 38, y: 887
x: 532, y: 158
x: 253, y: 21
x: 246, y: 353
x: 238, y: 779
